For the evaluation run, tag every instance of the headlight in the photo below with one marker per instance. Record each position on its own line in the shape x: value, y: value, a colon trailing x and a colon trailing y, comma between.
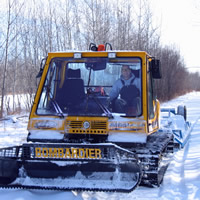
x: 45, y: 124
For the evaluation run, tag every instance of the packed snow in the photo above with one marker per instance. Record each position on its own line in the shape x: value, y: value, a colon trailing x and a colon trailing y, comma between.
x: 127, y: 137
x: 181, y: 181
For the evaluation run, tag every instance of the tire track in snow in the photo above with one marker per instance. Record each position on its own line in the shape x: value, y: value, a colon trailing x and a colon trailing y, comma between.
x: 192, y: 164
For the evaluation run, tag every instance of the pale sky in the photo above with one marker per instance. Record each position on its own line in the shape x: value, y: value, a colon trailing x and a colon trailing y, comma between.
x: 180, y: 25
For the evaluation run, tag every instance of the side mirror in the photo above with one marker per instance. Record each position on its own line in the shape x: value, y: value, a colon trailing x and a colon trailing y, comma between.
x: 155, y: 69
x: 39, y: 73
x: 41, y: 67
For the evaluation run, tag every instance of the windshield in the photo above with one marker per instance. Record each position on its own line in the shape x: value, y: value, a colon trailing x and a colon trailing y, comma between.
x: 92, y: 87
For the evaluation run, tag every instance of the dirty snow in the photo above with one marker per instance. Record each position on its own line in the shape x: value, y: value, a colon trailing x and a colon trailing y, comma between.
x: 181, y: 182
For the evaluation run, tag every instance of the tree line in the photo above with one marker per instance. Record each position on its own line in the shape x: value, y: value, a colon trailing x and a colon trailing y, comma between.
x: 30, y: 29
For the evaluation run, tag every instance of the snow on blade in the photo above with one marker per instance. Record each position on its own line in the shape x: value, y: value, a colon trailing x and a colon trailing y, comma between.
x: 45, y: 134
x: 127, y: 137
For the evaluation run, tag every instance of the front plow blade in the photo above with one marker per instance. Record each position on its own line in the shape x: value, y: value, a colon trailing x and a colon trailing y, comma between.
x: 102, y: 167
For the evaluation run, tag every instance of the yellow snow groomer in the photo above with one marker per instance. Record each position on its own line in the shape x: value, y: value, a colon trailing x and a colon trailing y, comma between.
x: 88, y: 128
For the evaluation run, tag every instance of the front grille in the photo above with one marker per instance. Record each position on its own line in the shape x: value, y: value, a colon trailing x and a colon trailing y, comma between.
x: 98, y: 125
x: 74, y: 124
x: 77, y: 127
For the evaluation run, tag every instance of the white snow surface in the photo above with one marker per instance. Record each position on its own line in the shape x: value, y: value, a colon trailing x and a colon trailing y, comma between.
x: 127, y: 137
x: 45, y: 134
x: 181, y: 181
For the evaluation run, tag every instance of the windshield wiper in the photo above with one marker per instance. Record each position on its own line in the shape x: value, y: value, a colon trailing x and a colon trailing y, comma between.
x: 103, y: 107
x: 57, y: 108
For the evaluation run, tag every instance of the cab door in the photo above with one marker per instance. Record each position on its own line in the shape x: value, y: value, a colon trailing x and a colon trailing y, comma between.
x: 153, y: 72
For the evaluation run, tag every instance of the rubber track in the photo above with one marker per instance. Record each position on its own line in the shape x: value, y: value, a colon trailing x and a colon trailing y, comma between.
x: 155, y: 151
x: 64, y: 189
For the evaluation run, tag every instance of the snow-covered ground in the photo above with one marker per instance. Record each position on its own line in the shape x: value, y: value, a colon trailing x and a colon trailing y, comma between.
x: 181, y: 181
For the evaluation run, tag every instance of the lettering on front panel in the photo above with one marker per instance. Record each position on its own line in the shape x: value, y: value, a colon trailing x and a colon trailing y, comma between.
x: 79, y: 153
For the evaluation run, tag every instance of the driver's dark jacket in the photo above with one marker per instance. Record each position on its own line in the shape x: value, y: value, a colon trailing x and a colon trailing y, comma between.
x: 118, y: 85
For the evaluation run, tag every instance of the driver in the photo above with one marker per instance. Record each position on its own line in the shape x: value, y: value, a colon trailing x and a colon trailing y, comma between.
x: 128, y: 88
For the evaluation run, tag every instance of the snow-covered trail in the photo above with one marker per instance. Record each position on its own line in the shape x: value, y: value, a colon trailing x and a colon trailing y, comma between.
x: 183, y: 176
x: 181, y: 181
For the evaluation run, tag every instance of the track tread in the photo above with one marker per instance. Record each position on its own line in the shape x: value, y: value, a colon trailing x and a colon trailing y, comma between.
x: 157, y: 147
x: 64, y: 189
